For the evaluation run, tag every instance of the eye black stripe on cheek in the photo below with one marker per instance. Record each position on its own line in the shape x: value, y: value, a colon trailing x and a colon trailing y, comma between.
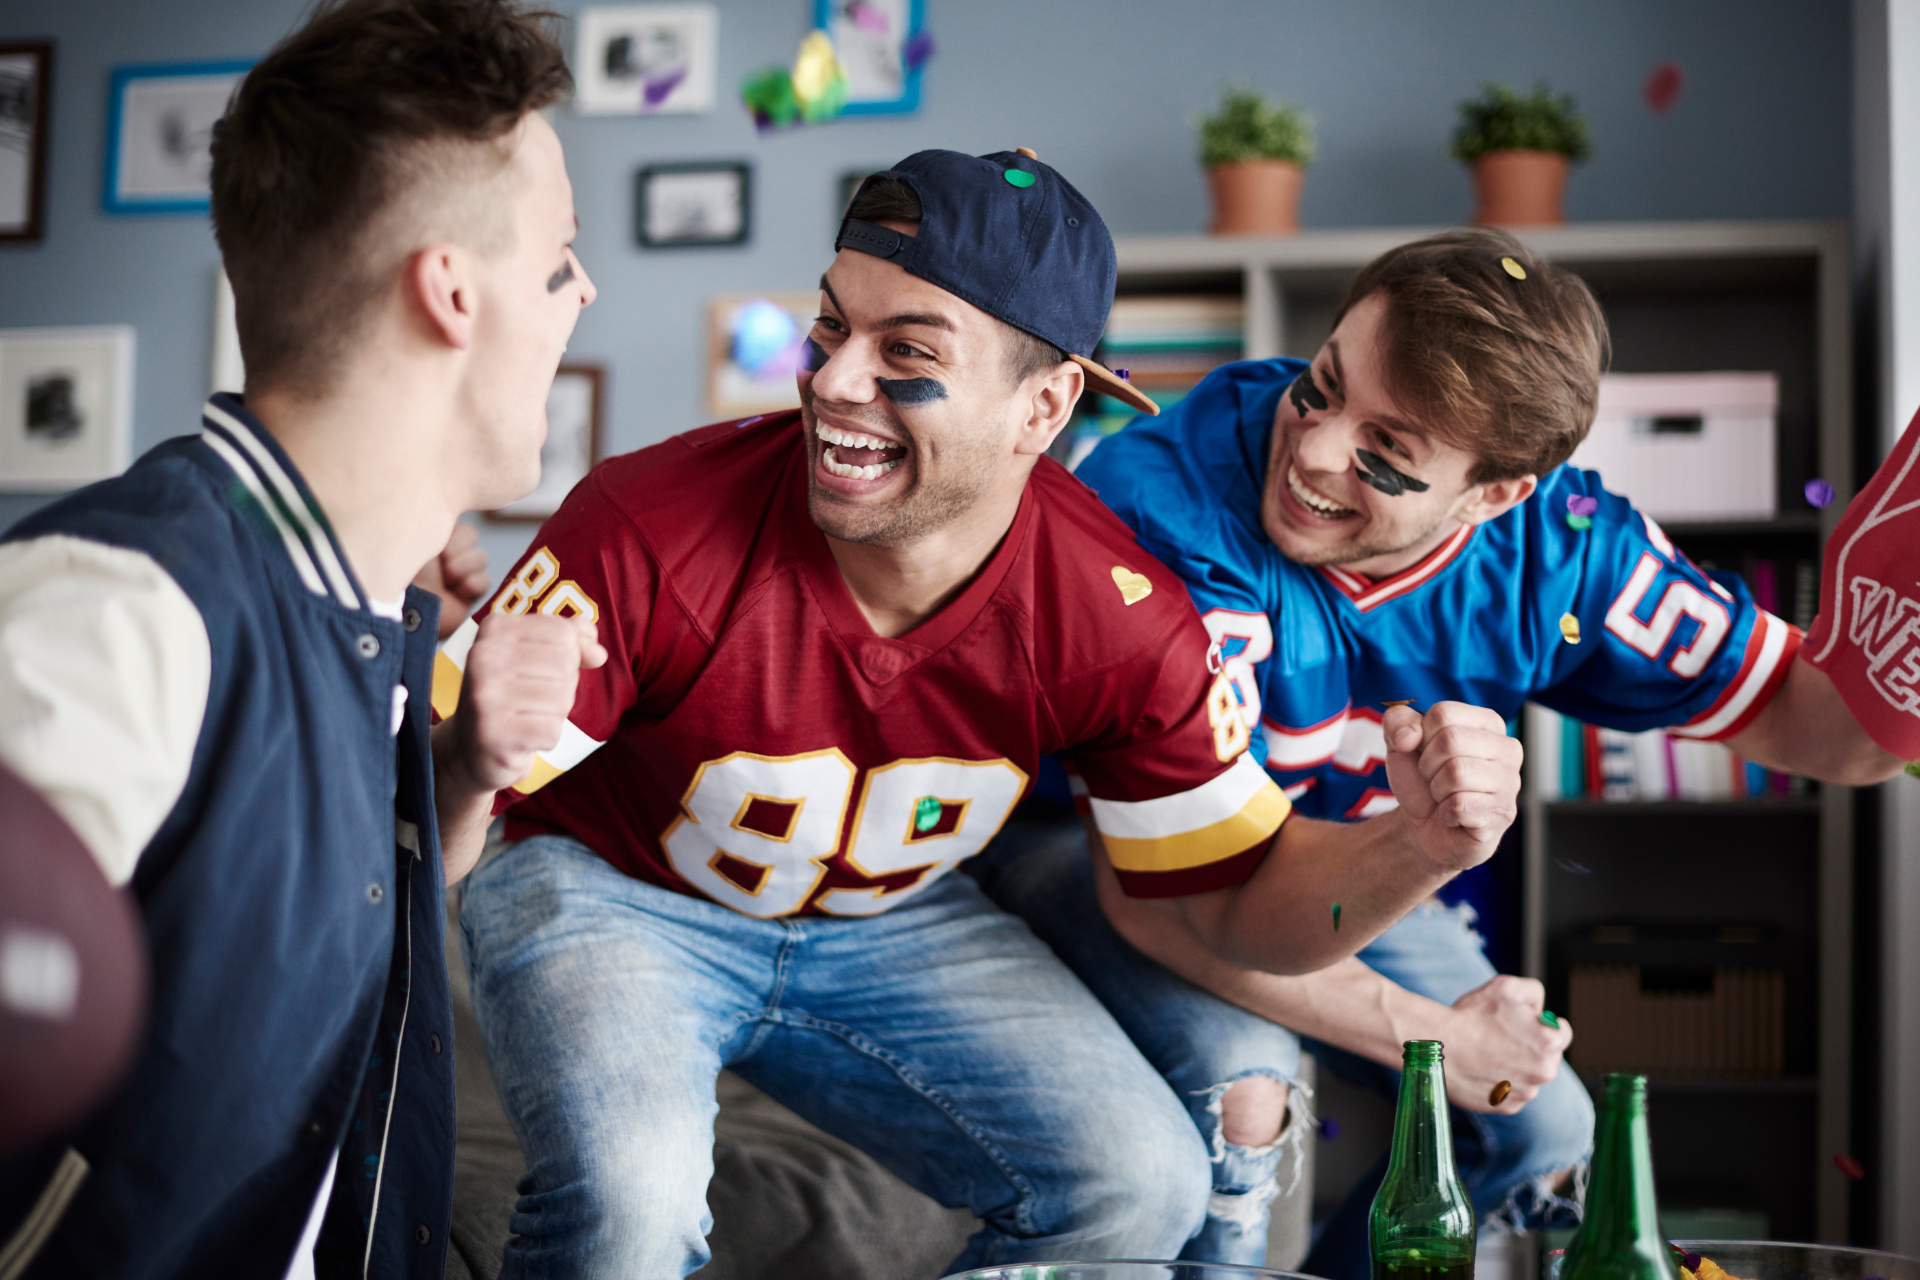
x: 812, y: 356
x: 1385, y: 478
x: 912, y: 390
x: 558, y: 280
x: 1306, y: 395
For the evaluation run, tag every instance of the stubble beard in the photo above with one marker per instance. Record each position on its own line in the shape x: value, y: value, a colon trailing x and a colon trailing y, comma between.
x: 920, y: 510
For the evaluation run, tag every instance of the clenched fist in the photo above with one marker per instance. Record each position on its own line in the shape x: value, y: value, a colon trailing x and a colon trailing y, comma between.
x: 521, y: 675
x: 1456, y: 774
x: 1495, y: 1034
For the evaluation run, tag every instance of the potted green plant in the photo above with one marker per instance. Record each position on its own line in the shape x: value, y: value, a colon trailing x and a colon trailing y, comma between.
x: 1519, y: 148
x: 1256, y: 153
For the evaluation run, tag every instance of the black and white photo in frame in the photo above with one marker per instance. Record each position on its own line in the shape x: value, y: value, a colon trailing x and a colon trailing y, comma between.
x: 66, y: 406
x: 160, y: 134
x: 645, y: 59
x: 693, y: 205
x: 25, y: 71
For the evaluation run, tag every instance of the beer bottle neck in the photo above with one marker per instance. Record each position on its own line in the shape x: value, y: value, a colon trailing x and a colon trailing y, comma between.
x: 1422, y: 1134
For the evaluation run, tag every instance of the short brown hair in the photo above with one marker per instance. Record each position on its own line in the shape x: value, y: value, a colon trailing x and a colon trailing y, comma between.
x: 891, y: 200
x: 330, y: 131
x: 1507, y: 368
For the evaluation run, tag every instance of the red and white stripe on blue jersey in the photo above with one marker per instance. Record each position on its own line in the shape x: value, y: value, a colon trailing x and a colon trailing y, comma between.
x: 1313, y: 653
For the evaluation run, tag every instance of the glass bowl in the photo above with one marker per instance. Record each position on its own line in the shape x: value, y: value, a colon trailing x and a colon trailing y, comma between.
x: 1776, y: 1260
x: 1129, y: 1271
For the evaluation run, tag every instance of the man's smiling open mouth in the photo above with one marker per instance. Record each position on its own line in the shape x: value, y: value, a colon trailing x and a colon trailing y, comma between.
x: 1312, y: 501
x: 855, y: 456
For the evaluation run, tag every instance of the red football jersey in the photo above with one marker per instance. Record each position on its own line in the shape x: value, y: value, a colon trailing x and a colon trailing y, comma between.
x: 750, y: 739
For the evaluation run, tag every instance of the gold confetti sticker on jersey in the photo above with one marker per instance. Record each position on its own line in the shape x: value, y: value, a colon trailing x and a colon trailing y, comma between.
x: 1134, y: 587
x: 1570, y: 628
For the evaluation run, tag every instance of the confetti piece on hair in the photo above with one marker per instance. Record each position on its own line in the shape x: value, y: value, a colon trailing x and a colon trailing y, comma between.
x: 1819, y: 492
x: 926, y: 813
x: 867, y: 18
x: 1663, y: 86
x: 1498, y: 1094
x: 1548, y: 1018
x: 1580, y: 524
x: 1329, y: 1129
x: 918, y: 49
x: 1571, y: 867
x: 1849, y: 1166
x: 1582, y: 504
x: 1514, y: 269
x: 1570, y: 628
x: 1336, y: 917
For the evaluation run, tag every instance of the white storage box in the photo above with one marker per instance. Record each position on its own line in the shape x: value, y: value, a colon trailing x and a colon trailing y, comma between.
x: 1687, y: 446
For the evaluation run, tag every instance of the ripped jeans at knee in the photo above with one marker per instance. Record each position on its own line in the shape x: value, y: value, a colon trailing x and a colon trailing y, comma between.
x: 1246, y: 1179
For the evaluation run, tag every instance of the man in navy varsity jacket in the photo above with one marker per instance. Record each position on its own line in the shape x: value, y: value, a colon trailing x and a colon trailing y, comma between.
x: 213, y: 668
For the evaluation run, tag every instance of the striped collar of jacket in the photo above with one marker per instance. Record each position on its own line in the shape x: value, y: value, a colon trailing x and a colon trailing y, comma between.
x: 266, y: 472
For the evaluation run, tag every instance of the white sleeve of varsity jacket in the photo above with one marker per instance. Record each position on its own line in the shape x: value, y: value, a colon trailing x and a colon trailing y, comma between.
x: 104, y: 669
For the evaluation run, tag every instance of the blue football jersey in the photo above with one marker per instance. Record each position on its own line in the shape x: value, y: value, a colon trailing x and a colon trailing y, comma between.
x: 1313, y: 653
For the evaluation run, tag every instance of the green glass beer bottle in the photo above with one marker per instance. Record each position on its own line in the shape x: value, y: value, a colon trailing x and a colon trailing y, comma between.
x: 1619, y: 1238
x: 1421, y: 1227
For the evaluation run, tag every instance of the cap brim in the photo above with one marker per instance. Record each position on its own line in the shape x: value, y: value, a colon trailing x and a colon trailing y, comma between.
x: 1108, y: 383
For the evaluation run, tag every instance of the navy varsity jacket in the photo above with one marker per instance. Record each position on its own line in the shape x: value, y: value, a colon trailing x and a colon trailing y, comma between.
x: 294, y: 908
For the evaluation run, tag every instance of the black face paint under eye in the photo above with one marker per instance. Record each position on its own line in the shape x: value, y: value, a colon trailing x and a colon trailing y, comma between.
x: 1305, y: 394
x: 812, y: 356
x: 912, y: 390
x: 559, y: 278
x: 1384, y: 478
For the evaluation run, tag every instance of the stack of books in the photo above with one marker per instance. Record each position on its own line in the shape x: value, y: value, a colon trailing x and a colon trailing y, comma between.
x: 1166, y: 343
x: 1569, y: 760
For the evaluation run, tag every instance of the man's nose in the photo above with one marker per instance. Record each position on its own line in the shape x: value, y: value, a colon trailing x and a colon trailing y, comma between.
x: 587, y: 290
x: 847, y: 377
x: 1325, y: 446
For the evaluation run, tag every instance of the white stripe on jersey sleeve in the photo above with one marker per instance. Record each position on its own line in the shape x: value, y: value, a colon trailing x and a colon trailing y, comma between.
x: 1213, y: 801
x: 1773, y: 645
x: 104, y: 670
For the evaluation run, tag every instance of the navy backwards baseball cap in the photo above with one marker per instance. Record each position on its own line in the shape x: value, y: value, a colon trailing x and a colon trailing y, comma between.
x: 1011, y: 236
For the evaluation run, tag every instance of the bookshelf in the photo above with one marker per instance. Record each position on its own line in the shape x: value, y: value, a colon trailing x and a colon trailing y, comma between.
x: 1679, y: 297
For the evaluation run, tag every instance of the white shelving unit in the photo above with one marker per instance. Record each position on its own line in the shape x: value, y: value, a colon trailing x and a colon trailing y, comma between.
x: 1674, y: 292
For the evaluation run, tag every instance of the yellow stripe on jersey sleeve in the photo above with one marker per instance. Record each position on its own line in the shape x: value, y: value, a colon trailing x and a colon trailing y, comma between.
x: 449, y: 673
x: 1227, y: 815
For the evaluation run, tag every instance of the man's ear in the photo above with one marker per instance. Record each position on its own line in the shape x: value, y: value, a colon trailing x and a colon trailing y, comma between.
x: 1051, y: 407
x: 1492, y: 498
x: 441, y: 291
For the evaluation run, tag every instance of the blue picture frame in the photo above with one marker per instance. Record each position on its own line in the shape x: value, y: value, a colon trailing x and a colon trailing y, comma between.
x: 117, y: 193
x: 909, y: 99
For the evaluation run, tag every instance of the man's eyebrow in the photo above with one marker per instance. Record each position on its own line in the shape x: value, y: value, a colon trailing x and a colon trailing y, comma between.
x: 1382, y: 420
x: 904, y: 319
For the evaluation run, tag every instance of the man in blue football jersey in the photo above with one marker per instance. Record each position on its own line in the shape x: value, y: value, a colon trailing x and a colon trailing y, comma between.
x: 1391, y: 523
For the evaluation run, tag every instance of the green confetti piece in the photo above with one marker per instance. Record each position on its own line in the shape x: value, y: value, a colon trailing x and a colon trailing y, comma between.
x: 1913, y: 768
x: 1019, y: 178
x: 926, y: 814
x: 1579, y: 522
x: 1549, y: 1019
x: 1336, y: 917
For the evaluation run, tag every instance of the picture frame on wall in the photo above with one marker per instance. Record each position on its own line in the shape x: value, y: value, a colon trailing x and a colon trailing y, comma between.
x: 645, y: 59
x: 693, y: 205
x: 572, y: 448
x: 66, y: 406
x: 870, y: 37
x: 754, y: 341
x: 26, y: 71
x: 160, y: 133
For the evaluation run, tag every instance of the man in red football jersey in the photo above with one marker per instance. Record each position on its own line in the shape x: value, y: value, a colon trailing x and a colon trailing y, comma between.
x: 839, y: 641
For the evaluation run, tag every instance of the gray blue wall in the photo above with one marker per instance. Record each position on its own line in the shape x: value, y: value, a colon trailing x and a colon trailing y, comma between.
x: 1107, y: 90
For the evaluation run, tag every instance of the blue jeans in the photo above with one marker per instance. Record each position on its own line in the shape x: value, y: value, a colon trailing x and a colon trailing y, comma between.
x: 1038, y: 870
x: 941, y: 1037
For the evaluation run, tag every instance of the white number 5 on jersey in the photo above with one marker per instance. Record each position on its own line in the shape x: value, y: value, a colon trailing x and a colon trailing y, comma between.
x: 1680, y: 600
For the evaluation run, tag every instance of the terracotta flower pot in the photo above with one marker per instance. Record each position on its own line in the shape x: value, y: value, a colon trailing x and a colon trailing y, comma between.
x: 1520, y: 188
x: 1256, y: 198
